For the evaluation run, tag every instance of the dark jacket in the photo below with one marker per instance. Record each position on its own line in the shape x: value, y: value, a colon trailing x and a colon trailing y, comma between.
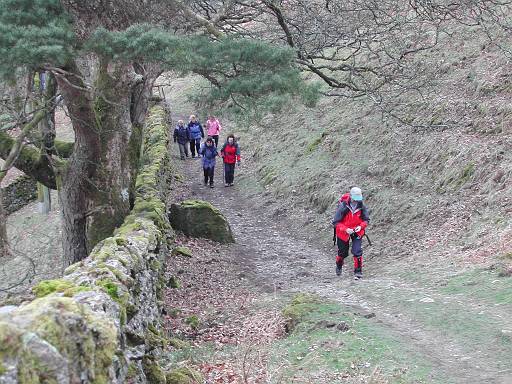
x: 181, y: 135
x: 209, y: 153
x: 196, y: 130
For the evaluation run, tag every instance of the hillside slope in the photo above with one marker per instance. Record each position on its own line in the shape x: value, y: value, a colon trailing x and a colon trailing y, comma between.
x: 440, y: 189
x: 437, y: 276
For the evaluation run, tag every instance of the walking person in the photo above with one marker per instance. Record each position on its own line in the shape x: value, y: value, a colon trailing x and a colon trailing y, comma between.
x: 230, y: 153
x: 213, y: 128
x: 182, y: 137
x: 209, y: 152
x: 196, y: 134
x: 350, y: 221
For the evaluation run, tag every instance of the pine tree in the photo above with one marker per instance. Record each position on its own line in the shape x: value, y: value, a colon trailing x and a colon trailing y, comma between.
x: 105, y: 63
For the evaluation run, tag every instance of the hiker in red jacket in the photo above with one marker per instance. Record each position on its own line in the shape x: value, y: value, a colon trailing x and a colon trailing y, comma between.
x: 230, y: 152
x: 350, y: 222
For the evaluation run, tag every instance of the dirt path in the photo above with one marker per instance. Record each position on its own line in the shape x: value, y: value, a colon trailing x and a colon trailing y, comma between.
x: 462, y: 334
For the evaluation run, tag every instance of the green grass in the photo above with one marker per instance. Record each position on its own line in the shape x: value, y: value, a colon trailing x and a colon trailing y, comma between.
x: 314, y: 349
x: 470, y: 308
x: 481, y: 284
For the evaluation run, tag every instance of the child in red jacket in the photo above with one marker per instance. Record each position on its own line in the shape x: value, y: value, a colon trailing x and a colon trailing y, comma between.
x: 350, y: 222
x: 230, y: 152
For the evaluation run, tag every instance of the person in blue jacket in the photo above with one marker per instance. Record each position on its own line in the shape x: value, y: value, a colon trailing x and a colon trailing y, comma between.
x: 209, y: 152
x: 196, y: 134
x: 182, y: 137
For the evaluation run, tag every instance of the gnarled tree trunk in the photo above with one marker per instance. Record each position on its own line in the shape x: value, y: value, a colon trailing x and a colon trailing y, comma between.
x: 96, y: 186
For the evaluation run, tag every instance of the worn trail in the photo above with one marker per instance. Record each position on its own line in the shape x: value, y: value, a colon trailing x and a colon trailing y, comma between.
x: 458, y: 336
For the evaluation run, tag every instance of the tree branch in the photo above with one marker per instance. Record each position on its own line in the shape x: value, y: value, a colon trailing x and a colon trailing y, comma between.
x: 27, y: 159
x: 210, y: 27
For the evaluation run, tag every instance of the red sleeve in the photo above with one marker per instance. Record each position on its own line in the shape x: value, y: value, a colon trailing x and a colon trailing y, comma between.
x: 341, y: 227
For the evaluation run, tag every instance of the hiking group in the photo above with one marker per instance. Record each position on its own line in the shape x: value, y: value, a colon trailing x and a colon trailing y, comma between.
x: 190, y: 136
x: 351, y: 217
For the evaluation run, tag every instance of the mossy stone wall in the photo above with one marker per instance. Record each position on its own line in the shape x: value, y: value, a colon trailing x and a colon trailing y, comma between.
x: 19, y: 193
x: 97, y: 324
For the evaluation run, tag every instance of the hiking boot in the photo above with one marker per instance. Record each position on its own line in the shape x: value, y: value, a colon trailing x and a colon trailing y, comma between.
x: 205, y: 183
x: 226, y: 184
x: 211, y: 185
x: 358, y: 274
x: 338, y: 269
x: 231, y: 184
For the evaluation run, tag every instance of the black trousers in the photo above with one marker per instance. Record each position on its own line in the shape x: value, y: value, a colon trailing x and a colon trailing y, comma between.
x: 195, y: 145
x: 216, y: 139
x: 208, y: 175
x: 229, y: 173
x: 343, y: 247
x: 357, y: 252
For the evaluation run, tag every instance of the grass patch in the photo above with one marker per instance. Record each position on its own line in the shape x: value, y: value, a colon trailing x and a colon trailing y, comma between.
x: 327, y: 338
x: 485, y: 285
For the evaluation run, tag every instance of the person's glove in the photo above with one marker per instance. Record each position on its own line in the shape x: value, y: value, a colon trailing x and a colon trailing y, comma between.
x: 357, y: 229
x: 349, y: 231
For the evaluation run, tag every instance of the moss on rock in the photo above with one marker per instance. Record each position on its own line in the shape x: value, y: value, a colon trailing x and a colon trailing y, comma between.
x: 178, y: 343
x: 69, y: 330
x: 199, y: 218
x: 156, y: 338
x: 9, y: 339
x: 173, y: 282
x: 47, y: 287
x: 154, y: 373
x: 184, y: 375
x: 184, y: 251
x: 77, y: 336
x: 301, y: 305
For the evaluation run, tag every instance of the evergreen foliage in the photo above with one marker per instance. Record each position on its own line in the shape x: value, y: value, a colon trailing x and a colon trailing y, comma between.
x: 39, y: 32
x: 33, y: 33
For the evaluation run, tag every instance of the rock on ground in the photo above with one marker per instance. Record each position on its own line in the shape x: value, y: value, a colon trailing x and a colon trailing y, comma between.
x: 199, y: 218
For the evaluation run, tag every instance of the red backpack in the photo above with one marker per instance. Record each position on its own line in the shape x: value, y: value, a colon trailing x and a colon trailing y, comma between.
x: 345, y: 198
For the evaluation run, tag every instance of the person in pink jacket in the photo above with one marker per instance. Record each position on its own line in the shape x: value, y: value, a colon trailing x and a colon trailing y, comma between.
x: 213, y: 127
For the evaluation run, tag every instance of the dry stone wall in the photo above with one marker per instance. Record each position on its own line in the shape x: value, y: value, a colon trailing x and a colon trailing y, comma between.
x: 101, y: 322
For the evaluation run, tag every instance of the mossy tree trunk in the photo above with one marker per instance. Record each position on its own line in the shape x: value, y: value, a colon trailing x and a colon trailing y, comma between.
x: 96, y: 181
x: 96, y: 185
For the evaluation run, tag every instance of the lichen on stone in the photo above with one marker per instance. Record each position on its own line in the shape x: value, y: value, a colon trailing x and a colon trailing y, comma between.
x: 74, y: 330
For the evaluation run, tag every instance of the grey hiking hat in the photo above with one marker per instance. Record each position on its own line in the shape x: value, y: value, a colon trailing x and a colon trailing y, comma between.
x: 356, y: 194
